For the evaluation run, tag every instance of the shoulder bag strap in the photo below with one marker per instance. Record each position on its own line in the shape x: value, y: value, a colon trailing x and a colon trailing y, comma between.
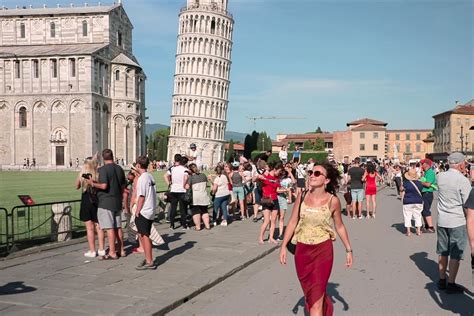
x: 417, y: 190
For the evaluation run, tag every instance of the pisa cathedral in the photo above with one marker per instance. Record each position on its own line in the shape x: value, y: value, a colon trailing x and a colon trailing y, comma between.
x: 69, y: 85
x: 201, y: 82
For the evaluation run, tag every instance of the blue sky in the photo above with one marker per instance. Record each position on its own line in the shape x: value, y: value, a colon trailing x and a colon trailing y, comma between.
x: 332, y: 61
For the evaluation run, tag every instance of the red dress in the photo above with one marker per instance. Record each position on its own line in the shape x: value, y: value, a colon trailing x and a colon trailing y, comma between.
x: 370, y: 185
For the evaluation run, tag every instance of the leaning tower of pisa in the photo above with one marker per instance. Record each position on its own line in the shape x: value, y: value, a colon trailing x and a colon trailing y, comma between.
x: 201, y: 82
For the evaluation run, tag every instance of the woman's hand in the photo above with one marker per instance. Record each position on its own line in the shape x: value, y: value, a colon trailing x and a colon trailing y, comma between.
x: 283, y: 255
x: 349, y: 259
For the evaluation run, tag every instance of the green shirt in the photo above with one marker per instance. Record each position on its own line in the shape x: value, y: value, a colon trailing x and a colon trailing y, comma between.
x: 430, y: 177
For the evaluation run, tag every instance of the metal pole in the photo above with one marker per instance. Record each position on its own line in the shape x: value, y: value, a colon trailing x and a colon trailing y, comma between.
x: 462, y: 139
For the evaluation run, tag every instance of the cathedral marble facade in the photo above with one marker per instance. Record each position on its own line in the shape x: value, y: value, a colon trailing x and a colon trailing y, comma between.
x: 69, y: 85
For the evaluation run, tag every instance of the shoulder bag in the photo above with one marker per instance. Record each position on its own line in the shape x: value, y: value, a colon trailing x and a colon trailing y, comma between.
x: 291, y: 247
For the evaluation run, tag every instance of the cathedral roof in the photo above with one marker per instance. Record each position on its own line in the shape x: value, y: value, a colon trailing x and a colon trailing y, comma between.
x: 125, y: 60
x: 50, y: 50
x: 60, y: 11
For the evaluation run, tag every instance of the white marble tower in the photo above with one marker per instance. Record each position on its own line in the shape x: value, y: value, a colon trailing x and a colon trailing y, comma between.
x: 201, y: 82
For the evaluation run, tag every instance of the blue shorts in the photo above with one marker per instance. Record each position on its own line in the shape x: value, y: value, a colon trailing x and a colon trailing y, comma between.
x: 239, y: 193
x: 357, y: 195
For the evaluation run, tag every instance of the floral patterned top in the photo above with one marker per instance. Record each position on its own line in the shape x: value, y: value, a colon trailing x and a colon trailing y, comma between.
x: 315, y: 225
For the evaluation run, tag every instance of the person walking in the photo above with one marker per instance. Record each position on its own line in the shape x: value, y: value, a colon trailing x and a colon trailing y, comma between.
x: 287, y: 180
x: 429, y: 185
x: 316, y: 214
x: 89, y: 203
x: 236, y: 177
x: 354, y: 176
x: 197, y: 182
x: 110, y: 187
x: 283, y: 154
x: 370, y: 177
x: 454, y: 189
x: 176, y: 178
x: 412, y: 201
x: 145, y: 211
x: 397, y: 178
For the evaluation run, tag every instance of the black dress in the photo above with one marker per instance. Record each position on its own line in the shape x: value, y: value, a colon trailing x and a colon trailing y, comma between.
x: 89, y: 203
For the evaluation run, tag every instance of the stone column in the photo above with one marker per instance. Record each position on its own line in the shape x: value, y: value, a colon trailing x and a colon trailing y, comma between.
x: 134, y: 153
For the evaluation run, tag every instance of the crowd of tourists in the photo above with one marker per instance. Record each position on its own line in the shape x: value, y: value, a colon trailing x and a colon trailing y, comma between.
x: 262, y: 190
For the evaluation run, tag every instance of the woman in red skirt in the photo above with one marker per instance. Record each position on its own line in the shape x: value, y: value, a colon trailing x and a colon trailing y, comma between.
x: 314, y: 215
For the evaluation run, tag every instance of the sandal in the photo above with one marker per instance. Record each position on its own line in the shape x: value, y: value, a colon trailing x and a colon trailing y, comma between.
x: 430, y: 230
x: 108, y: 257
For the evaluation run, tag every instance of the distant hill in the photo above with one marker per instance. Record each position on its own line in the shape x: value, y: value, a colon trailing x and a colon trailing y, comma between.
x: 236, y: 136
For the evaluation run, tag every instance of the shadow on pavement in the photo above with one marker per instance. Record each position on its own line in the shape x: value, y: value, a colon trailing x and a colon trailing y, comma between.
x: 169, y: 238
x: 15, y: 288
x: 400, y: 227
x: 170, y: 254
x: 456, y: 303
x: 333, y: 293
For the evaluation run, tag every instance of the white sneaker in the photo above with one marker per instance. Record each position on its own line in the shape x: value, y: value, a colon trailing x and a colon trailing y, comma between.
x: 224, y: 223
x: 101, y: 253
x: 360, y: 217
x: 90, y: 254
x: 353, y: 217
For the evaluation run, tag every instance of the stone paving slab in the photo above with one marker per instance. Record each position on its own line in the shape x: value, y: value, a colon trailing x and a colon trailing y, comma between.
x: 61, y: 281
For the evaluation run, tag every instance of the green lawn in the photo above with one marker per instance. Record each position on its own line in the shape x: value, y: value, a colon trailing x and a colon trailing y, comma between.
x: 45, y: 186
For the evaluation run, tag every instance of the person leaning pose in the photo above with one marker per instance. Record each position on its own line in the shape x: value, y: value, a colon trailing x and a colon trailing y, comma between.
x: 311, y: 222
x: 88, y: 212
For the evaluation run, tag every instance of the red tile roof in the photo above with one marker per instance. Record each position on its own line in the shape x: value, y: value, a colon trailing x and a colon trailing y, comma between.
x: 367, y: 121
x: 312, y: 136
x: 467, y: 108
x: 368, y: 127
x: 239, y: 147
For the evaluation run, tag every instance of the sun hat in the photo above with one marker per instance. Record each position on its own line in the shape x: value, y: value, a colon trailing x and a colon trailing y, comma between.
x: 411, y: 175
x: 456, y: 158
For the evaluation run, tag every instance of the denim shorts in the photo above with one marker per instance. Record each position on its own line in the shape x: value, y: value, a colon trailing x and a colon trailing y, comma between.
x: 238, y: 193
x: 283, y: 203
x: 357, y: 195
x: 451, y: 242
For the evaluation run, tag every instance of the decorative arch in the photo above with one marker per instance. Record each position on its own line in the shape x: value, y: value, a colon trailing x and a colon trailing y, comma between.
x: 58, y: 107
x: 40, y: 107
x: 4, y: 106
x: 77, y: 106
x: 59, y: 135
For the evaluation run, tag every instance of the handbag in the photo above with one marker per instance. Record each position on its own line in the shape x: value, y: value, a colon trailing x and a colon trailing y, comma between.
x: 291, y: 247
x: 188, y: 196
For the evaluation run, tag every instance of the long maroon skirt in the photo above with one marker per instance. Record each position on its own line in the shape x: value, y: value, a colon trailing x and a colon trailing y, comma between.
x: 313, y: 267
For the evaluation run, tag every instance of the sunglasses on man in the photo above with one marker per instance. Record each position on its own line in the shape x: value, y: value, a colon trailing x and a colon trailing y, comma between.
x: 316, y: 173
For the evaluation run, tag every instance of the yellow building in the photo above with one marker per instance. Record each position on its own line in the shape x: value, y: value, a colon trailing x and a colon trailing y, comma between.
x: 406, y: 144
x: 454, y: 131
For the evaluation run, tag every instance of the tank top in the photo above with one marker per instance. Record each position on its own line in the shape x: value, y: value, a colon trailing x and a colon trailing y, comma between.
x: 315, y: 225
x: 236, y: 180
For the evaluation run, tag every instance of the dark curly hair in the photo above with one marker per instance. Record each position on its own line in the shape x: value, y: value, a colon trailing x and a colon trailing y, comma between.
x: 333, y: 176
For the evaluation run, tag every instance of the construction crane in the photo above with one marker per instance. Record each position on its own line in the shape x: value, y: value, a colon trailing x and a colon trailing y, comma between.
x: 255, y: 118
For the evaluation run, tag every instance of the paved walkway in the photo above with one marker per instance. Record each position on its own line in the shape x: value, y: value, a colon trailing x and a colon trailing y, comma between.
x: 62, y: 281
x: 392, y: 275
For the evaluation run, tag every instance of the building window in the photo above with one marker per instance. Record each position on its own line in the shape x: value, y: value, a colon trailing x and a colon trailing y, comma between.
x: 418, y: 137
x: 35, y: 68
x: 362, y: 135
x: 119, y: 39
x: 362, y: 147
x: 376, y: 135
x: 54, y: 68
x: 397, y: 136
x: 117, y: 75
x: 22, y: 30
x: 53, y: 29
x: 72, y: 66
x: 84, y: 28
x: 398, y: 147
x: 467, y: 122
x: 407, y: 148
x: 418, y: 148
x: 17, y: 69
x: 213, y: 27
x: 407, y: 136
x: 376, y: 147
x: 22, y: 114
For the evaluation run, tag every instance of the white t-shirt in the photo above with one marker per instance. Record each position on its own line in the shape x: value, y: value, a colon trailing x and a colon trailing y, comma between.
x: 197, y: 155
x: 177, y: 179
x: 146, y: 188
x: 222, y: 186
x: 283, y: 154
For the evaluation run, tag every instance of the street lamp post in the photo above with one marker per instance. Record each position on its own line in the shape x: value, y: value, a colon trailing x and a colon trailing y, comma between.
x: 462, y: 139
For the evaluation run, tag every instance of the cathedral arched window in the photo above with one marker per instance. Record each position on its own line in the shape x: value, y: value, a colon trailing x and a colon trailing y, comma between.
x: 22, y: 117
x: 117, y: 75
x: 53, y: 29
x: 22, y: 30
x: 213, y: 27
x: 84, y: 28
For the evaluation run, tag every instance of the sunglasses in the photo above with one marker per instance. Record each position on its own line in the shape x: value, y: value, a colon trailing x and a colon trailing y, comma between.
x: 316, y: 173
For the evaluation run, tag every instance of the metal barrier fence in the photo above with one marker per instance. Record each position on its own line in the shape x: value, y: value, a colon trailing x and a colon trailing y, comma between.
x: 4, y: 230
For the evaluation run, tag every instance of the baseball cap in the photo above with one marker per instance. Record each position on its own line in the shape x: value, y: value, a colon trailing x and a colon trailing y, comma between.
x: 456, y: 158
x: 427, y: 161
x: 193, y: 145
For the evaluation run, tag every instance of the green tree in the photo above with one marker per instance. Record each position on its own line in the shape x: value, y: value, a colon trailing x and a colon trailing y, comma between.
x: 230, y: 153
x: 319, y: 144
x: 291, y: 146
x: 157, y: 144
x: 308, y: 145
x: 318, y: 130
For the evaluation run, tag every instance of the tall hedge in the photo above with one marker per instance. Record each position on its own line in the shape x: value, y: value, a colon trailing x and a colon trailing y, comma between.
x: 318, y: 156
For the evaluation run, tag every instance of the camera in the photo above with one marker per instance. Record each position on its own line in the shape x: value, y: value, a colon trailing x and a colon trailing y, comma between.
x: 87, y: 175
